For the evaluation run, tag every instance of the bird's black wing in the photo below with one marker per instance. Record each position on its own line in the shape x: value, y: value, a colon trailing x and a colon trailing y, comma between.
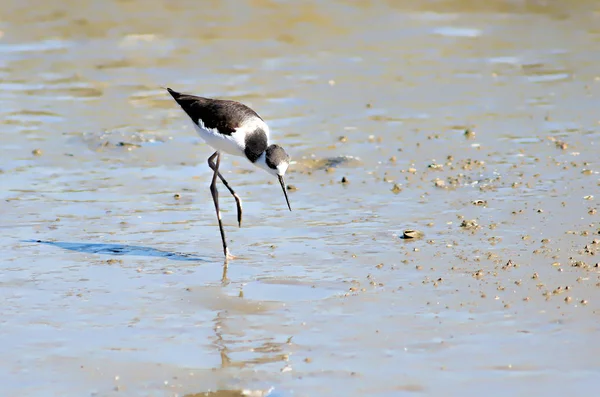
x: 223, y: 115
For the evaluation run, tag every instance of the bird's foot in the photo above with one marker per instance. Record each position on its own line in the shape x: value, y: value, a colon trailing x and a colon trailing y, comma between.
x: 228, y: 255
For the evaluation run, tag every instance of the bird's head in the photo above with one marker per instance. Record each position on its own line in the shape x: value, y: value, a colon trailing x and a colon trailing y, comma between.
x: 276, y: 162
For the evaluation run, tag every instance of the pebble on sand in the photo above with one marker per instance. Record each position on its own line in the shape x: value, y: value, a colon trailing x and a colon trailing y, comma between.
x: 469, y: 224
x: 412, y: 234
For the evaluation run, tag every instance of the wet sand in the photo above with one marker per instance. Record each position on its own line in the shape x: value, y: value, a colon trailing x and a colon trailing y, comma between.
x: 445, y: 195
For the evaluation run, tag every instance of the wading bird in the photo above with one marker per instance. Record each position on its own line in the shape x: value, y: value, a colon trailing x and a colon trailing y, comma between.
x: 233, y: 128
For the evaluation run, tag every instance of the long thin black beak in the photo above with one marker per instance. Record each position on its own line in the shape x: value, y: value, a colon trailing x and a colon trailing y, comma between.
x: 282, y: 182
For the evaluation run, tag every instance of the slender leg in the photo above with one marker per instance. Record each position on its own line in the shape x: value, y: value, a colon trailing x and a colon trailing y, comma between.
x: 238, y: 200
x: 215, y: 195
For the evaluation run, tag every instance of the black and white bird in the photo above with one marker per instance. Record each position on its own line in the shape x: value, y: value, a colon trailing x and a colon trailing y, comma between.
x: 233, y: 128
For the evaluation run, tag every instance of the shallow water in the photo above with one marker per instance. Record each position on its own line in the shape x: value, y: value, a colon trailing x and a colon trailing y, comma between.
x: 112, y: 286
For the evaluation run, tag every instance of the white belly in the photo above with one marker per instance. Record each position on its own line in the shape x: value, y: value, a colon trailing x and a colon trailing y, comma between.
x: 229, y: 144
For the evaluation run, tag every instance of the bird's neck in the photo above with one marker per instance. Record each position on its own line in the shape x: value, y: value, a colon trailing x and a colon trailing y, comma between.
x: 262, y: 163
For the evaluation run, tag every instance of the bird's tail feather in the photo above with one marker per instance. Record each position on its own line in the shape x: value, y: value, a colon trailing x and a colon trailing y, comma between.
x: 174, y: 94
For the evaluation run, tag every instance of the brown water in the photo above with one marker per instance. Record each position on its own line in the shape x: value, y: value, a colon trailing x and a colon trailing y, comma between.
x: 112, y: 286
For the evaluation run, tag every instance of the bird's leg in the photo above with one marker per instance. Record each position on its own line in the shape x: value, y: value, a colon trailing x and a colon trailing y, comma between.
x: 238, y: 200
x: 215, y: 195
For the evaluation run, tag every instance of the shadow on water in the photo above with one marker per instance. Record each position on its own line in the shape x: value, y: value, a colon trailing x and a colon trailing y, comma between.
x: 120, y: 250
